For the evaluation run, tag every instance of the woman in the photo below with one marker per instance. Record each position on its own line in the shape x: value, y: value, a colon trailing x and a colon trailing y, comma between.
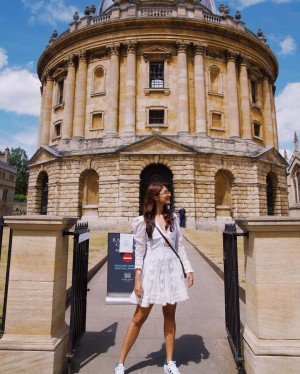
x: 159, y: 277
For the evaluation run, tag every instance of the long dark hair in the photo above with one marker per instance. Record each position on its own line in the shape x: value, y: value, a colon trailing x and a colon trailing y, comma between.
x: 153, y: 190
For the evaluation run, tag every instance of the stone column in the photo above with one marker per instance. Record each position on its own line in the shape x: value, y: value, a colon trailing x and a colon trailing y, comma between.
x: 200, y: 95
x: 80, y: 97
x: 111, y: 127
x: 233, y: 105
x: 36, y: 336
x: 43, y: 89
x: 271, y: 334
x: 182, y: 88
x: 274, y: 119
x: 130, y: 94
x: 69, y: 100
x: 45, y: 136
x: 267, y: 112
x: 246, y: 126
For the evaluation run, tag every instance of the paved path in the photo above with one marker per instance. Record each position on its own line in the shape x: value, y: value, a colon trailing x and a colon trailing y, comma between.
x: 201, y: 343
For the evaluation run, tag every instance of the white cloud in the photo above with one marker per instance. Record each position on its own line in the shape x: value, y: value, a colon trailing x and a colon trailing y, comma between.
x: 3, y: 58
x: 26, y: 139
x: 49, y: 11
x: 287, y: 46
x: 19, y: 91
x: 288, y: 112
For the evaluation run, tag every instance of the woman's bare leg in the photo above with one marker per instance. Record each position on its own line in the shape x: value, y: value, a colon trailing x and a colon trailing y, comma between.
x: 140, y: 316
x: 169, y: 311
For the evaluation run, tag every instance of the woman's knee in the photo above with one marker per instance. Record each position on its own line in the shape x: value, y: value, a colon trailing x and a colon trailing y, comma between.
x: 140, y: 317
x: 169, y: 311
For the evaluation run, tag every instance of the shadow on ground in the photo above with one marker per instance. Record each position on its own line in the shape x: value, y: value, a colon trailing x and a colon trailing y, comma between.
x: 188, y: 348
x: 86, y: 353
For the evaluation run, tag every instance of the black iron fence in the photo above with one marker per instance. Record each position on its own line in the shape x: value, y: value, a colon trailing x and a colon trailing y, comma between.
x: 79, y: 287
x: 5, y: 267
x: 232, y: 293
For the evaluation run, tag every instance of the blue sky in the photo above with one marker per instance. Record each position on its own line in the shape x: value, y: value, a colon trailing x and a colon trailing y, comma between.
x: 26, y: 26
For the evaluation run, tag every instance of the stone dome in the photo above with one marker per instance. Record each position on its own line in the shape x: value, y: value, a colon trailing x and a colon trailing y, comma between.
x: 106, y: 4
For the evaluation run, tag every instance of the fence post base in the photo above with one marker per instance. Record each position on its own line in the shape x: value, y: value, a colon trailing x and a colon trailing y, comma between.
x: 36, y: 336
x: 272, y: 283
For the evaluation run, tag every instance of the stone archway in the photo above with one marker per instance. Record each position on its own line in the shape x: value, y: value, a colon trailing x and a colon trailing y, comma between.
x: 89, y: 193
x: 42, y: 193
x: 155, y: 173
x: 271, y: 181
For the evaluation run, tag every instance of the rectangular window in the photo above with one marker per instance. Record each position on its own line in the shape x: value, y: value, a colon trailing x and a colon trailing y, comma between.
x: 60, y: 93
x: 216, y: 121
x: 11, y: 177
x: 57, y: 130
x: 5, y: 195
x: 253, y: 92
x: 156, y: 74
x: 156, y: 117
x: 97, y: 121
x: 257, y: 132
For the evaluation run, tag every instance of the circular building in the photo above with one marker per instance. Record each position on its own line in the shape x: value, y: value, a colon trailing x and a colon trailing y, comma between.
x: 173, y: 91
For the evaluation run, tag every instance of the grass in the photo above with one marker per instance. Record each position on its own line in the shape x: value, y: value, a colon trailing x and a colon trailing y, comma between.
x: 210, y: 243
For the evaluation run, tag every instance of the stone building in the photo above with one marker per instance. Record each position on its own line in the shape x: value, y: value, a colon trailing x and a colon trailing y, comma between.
x: 293, y: 178
x: 158, y: 90
x: 7, y: 184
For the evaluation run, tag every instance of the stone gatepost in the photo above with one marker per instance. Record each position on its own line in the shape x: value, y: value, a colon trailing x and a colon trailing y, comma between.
x: 272, y: 328
x: 36, y: 335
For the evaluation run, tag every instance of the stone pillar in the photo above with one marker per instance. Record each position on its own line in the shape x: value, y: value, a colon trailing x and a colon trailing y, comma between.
x: 69, y: 100
x: 233, y: 105
x: 246, y: 126
x: 36, y: 336
x: 45, y: 136
x: 267, y: 112
x: 39, y: 143
x: 274, y: 119
x: 271, y: 334
x: 130, y: 94
x: 200, y: 95
x: 182, y: 88
x: 80, y: 97
x: 111, y: 127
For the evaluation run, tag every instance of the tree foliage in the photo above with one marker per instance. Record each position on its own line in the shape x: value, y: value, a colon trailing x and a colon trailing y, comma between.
x: 18, y: 157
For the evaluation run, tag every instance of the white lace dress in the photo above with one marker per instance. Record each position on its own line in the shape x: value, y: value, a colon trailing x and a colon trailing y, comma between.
x: 162, y: 276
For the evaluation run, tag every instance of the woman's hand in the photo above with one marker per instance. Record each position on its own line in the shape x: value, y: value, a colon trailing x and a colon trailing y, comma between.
x: 190, y: 279
x: 138, y: 288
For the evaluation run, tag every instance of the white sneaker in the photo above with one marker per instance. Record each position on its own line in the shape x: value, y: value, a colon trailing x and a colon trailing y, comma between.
x: 171, y: 368
x: 120, y: 369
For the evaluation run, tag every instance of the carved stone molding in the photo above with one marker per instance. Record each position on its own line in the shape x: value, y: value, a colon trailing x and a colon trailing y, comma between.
x: 199, y: 48
x: 231, y: 56
x: 114, y: 48
x: 244, y: 60
x: 82, y: 55
x: 71, y: 60
x: 131, y: 46
x: 182, y: 46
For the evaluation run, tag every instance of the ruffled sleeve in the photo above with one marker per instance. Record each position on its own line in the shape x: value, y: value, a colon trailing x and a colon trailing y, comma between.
x: 139, y: 235
x: 181, y: 249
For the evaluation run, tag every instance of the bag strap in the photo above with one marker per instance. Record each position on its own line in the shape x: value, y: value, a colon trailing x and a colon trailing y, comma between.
x: 167, y: 241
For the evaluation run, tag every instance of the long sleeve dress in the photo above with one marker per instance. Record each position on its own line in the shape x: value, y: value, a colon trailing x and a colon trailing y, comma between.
x: 162, y: 276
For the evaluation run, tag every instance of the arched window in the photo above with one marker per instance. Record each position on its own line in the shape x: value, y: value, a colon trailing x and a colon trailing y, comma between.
x: 223, y: 185
x: 215, y: 80
x: 298, y: 185
x: 89, y: 193
x: 42, y: 193
x: 99, y: 81
x: 271, y: 182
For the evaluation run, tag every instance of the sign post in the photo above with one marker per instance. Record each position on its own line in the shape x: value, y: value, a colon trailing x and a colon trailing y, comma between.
x: 120, y: 272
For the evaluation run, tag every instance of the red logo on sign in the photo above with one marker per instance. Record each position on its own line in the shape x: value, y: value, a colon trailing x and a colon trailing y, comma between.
x: 127, y: 257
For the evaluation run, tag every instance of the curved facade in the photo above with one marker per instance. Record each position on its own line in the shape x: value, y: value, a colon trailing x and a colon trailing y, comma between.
x: 162, y: 89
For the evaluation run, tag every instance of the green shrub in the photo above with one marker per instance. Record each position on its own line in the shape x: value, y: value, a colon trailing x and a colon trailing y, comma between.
x: 20, y: 198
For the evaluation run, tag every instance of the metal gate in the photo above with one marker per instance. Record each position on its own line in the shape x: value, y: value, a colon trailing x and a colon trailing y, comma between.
x: 232, y: 295
x: 5, y: 265
x: 79, y: 287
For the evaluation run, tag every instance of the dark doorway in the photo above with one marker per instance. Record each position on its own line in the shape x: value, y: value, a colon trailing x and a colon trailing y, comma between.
x: 270, y: 196
x: 44, y: 205
x: 155, y: 173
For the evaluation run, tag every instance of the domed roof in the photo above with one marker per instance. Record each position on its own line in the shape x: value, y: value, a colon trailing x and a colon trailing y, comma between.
x: 209, y: 4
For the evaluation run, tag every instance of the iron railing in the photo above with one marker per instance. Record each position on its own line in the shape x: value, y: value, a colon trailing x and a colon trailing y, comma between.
x: 79, y: 287
x: 231, y: 288
x: 2, y: 226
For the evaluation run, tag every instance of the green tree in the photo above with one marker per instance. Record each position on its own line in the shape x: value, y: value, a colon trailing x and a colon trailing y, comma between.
x: 18, y: 157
